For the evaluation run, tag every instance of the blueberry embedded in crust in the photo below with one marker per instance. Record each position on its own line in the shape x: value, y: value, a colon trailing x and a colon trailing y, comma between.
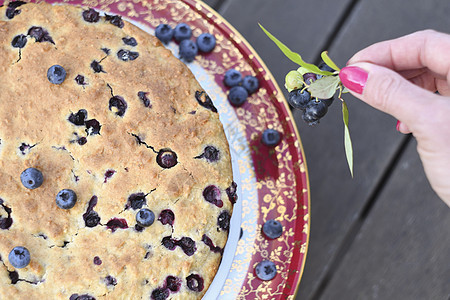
x: 40, y: 34
x: 11, y: 11
x: 160, y: 294
x: 195, y: 282
x: 97, y: 67
x: 78, y: 118
x: 173, y: 283
x: 130, y: 41
x: 145, y: 100
x: 119, y: 104
x: 166, y: 217
x: 19, y: 41
x: 210, y: 153
x: 5, y: 222
x: 91, y: 15
x: 208, y: 242
x: 115, y: 20
x: 166, y: 158
x: 81, y: 297
x: 92, y: 127
x: 136, y: 201
x: 127, y: 55
x: 206, y: 102
x: 212, y: 194
x: 232, y: 192
x: 224, y: 220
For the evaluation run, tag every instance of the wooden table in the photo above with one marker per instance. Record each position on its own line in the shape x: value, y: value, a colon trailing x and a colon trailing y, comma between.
x: 383, y: 234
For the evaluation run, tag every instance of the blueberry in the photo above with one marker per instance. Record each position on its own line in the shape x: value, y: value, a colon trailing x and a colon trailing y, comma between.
x: 145, y: 217
x: 14, y: 276
x: 32, y: 178
x: 182, y: 32
x: 11, y: 11
x: 309, y: 78
x: 56, y: 74
x: 91, y: 219
x: 210, y: 153
x: 173, y: 283
x: 250, y: 83
x: 224, y: 220
x: 106, y: 50
x: 78, y: 118
x: 115, y: 20
x: 127, y: 55
x: 169, y: 243
x: 92, y: 127
x: 91, y: 15
x: 80, y: 80
x: 160, y: 294
x: 40, y: 34
x: 309, y: 119
x: 324, y: 67
x: 66, y: 199
x: 145, y: 100
x: 237, y: 96
x: 299, y: 99
x: 266, y: 270
x: 232, y: 192
x: 206, y: 42
x: 130, y: 41
x: 19, y: 257
x: 136, y: 201
x: 208, y: 242
x: 195, y: 283
x: 81, y: 141
x: 232, y: 78
x: 166, y: 158
x: 19, y: 41
x: 207, y: 102
x: 81, y: 297
x: 97, y: 67
x: 188, y: 50
x: 164, y: 33
x: 166, y: 217
x: 109, y: 280
x: 97, y: 261
x: 316, y: 108
x: 119, y: 104
x: 108, y: 174
x: 115, y: 223
x: 187, y: 245
x: 272, y: 229
x: 212, y: 195
x: 271, y: 137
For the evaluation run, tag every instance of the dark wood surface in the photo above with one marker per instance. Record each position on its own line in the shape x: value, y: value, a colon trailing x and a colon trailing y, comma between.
x: 383, y: 234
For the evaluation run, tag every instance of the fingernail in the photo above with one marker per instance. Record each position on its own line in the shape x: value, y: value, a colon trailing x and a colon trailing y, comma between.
x: 353, y: 78
x: 398, y: 126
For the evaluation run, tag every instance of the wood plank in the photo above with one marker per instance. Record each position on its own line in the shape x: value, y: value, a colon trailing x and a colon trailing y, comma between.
x: 402, y: 250
x: 337, y: 200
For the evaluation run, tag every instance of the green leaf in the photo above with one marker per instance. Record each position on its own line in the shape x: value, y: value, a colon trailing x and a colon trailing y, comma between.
x: 347, y: 140
x: 303, y: 71
x: 326, y: 59
x: 324, y: 87
x: 295, y: 57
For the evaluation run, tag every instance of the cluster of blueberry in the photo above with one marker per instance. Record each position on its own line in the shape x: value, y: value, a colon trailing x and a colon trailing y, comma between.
x: 182, y: 34
x: 313, y: 108
x: 240, y: 87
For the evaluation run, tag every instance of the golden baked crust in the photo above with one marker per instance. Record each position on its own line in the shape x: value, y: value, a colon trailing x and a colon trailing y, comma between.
x: 162, y: 113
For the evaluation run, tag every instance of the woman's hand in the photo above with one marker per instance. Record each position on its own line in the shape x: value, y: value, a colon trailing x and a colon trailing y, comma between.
x: 401, y: 77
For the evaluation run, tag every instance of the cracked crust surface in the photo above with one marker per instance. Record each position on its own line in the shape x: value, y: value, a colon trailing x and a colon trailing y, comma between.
x: 35, y: 132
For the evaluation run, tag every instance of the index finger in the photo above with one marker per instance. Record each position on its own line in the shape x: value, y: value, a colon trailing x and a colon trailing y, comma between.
x: 428, y: 48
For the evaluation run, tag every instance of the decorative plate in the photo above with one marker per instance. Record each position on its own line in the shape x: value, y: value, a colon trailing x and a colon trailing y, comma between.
x: 272, y: 182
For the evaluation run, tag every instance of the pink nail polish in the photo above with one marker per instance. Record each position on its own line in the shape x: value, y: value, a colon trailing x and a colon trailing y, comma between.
x: 398, y: 126
x: 353, y: 78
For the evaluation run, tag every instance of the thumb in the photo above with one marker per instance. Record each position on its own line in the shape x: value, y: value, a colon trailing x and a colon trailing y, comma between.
x: 386, y: 90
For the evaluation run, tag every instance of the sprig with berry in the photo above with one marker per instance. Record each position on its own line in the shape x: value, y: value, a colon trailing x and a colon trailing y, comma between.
x: 312, y: 89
